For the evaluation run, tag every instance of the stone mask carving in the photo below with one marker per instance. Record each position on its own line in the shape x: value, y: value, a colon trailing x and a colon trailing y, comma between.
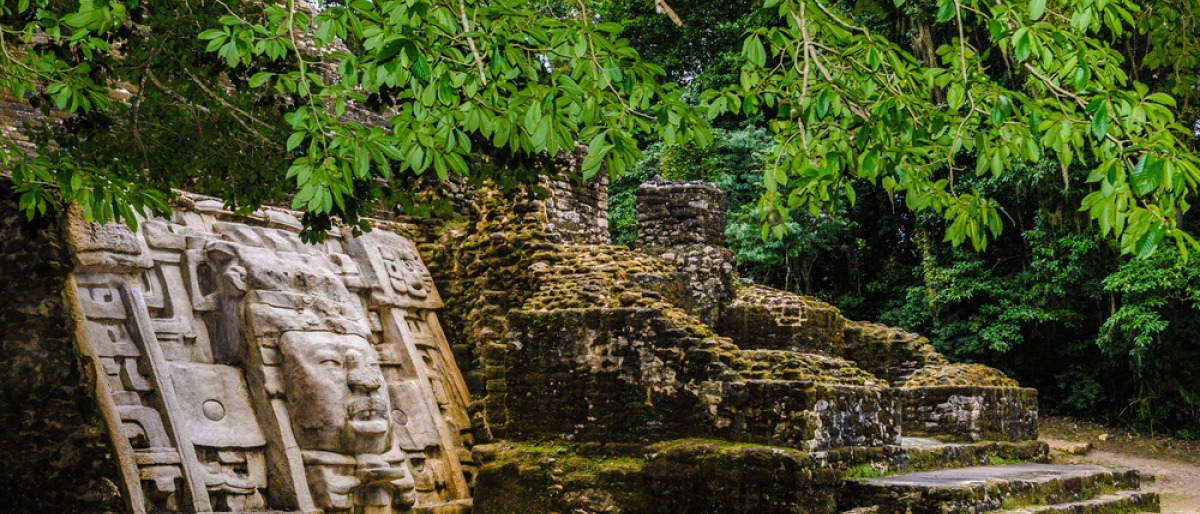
x: 406, y: 274
x: 336, y: 393
x: 245, y: 371
x: 335, y: 389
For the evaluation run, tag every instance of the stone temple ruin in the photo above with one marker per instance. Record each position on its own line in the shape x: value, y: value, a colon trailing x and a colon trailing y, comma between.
x: 214, y: 363
x: 246, y: 371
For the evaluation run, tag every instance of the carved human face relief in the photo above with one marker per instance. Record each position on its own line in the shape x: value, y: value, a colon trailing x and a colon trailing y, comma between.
x: 336, y: 393
x: 406, y: 274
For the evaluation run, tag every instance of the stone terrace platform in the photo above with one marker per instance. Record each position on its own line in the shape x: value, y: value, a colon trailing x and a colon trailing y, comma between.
x: 1027, y: 487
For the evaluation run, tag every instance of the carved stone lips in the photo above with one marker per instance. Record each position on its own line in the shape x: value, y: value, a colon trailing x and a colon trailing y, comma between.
x: 368, y: 415
x: 374, y: 426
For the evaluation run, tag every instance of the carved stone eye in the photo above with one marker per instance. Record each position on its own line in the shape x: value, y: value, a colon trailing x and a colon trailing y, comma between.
x: 329, y: 359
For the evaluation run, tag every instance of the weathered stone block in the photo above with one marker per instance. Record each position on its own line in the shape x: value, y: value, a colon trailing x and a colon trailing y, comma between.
x: 970, y: 413
x: 679, y: 214
x: 630, y: 374
x: 673, y: 477
x: 888, y: 353
x: 761, y: 317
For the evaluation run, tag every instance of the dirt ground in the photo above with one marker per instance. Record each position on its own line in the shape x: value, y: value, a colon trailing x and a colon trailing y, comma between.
x: 1169, y: 466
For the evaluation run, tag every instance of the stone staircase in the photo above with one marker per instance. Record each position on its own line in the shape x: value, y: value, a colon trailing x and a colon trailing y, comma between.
x: 1025, y: 488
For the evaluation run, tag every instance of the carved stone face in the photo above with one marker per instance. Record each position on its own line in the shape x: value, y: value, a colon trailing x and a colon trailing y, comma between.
x: 336, y: 393
x: 406, y: 274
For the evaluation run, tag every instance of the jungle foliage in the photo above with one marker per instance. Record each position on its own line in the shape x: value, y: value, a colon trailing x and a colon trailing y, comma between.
x: 342, y: 108
x: 1049, y: 296
x: 1053, y: 135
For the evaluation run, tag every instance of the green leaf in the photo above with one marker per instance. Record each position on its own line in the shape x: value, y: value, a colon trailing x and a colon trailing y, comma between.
x: 1100, y: 122
x: 997, y: 116
x: 823, y: 104
x: 421, y: 67
x: 611, y: 27
x: 212, y: 34
x: 1161, y: 98
x: 870, y: 160
x: 1021, y: 44
x: 753, y: 51
x: 946, y: 11
x: 1037, y: 8
x: 294, y: 140
x: 1082, y: 74
x: 1147, y: 175
x: 955, y: 96
x: 1150, y: 239
x: 874, y: 58
x: 260, y: 78
x: 593, y: 160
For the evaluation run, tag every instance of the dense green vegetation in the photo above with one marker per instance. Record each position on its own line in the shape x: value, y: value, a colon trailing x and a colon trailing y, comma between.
x: 343, y: 109
x: 855, y: 139
x: 1051, y: 299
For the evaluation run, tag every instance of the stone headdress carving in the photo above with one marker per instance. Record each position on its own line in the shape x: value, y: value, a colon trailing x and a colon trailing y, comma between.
x: 242, y: 370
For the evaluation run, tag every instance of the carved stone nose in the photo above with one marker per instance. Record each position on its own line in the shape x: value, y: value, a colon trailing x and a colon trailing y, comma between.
x: 360, y: 376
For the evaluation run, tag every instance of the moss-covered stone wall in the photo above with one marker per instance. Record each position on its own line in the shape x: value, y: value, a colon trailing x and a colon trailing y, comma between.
x: 761, y: 317
x: 55, y: 452
x: 888, y: 353
x: 970, y: 412
x: 673, y: 477
x: 678, y: 214
x: 684, y: 225
x: 579, y: 213
x: 644, y: 373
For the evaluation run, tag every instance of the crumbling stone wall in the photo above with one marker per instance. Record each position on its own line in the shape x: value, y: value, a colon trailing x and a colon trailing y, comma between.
x: 55, y: 453
x: 587, y: 342
x: 970, y: 412
x: 616, y: 375
x: 578, y: 214
x: 475, y: 258
x: 492, y: 261
x: 17, y: 114
x: 680, y: 214
x: 761, y: 317
x: 676, y: 477
x: 889, y: 353
x: 684, y: 225
x: 594, y: 355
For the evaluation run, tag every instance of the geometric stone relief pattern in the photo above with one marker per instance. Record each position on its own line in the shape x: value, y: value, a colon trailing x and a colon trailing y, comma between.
x: 242, y: 370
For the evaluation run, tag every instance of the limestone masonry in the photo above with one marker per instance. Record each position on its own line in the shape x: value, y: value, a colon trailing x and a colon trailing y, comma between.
x: 215, y: 363
x: 242, y: 370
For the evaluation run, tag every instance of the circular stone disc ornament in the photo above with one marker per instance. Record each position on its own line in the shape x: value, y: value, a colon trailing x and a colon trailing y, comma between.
x: 213, y: 410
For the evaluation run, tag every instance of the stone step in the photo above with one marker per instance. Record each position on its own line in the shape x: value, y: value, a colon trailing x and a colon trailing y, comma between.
x: 986, y: 488
x: 1122, y: 502
x: 929, y: 454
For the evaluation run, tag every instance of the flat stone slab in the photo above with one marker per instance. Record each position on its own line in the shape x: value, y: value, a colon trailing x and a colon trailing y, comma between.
x: 969, y: 477
x: 1122, y: 502
x: 991, y: 488
x: 921, y: 442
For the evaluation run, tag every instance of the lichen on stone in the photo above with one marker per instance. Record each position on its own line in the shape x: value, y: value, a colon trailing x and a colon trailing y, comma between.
x: 959, y: 374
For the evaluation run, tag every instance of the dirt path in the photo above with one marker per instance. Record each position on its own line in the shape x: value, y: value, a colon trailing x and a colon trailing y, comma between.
x: 1170, y: 466
x: 1177, y: 483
